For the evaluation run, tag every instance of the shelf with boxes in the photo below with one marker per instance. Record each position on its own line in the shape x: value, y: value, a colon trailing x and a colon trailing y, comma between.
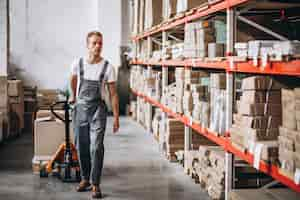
x: 257, y: 119
x: 227, y: 145
x: 221, y: 42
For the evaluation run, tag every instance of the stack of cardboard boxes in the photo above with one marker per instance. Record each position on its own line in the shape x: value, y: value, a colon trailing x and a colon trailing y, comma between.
x: 289, y: 139
x: 218, y: 103
x: 256, y: 124
x: 16, y: 102
x: 200, y: 94
x: 4, y: 107
x: 194, y: 91
x: 196, y: 39
x: 210, y: 170
x: 174, y: 138
x: 185, y: 5
x: 49, y: 134
x: 169, y: 97
x: 179, y: 78
x: 153, y: 13
x: 156, y: 123
x: 169, y: 9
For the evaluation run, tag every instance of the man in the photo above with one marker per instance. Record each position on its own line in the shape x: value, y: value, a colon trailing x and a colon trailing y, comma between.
x: 88, y: 77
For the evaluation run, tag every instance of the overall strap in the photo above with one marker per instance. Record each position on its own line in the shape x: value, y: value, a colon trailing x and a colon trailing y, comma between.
x: 102, y: 74
x: 81, y: 72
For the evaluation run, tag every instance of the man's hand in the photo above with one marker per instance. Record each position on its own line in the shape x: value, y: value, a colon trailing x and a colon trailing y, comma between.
x: 116, y: 125
x: 72, y: 100
x: 115, y: 105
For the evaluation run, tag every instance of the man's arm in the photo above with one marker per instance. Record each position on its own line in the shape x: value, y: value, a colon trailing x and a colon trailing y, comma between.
x: 115, y: 104
x: 73, y: 88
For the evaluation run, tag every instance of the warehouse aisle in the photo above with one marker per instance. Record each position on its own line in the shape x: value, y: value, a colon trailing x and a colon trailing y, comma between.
x: 134, y: 169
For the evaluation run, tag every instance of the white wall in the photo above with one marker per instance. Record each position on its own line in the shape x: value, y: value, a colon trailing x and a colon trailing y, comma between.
x: 109, y: 16
x: 3, y: 37
x: 47, y: 35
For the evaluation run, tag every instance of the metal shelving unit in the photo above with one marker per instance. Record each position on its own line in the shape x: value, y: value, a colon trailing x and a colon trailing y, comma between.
x: 230, y: 66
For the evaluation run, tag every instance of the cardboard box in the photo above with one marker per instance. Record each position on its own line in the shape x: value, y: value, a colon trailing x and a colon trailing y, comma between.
x: 218, y: 80
x: 15, y: 88
x: 286, y: 159
x: 184, y: 5
x: 259, y: 109
x: 3, y: 91
x: 48, y: 136
x: 216, y: 50
x: 261, y: 83
x: 289, y: 119
x: 297, y: 93
x: 260, y: 122
x: 297, y: 159
x: 286, y: 143
x: 141, y: 16
x: 169, y: 8
x: 290, y: 134
x: 153, y: 13
x: 136, y: 17
x: 269, y: 150
x: 257, y: 96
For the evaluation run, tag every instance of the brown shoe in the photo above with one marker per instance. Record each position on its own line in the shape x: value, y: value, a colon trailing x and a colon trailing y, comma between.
x: 96, y: 192
x: 83, y: 186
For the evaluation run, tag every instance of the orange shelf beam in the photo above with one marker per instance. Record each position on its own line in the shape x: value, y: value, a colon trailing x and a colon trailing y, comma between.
x: 291, y: 68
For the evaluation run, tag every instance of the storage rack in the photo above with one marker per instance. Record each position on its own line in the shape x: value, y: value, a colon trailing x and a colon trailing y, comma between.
x: 289, y: 68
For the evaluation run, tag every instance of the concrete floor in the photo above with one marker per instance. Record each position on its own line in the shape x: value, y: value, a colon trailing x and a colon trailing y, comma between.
x: 134, y: 169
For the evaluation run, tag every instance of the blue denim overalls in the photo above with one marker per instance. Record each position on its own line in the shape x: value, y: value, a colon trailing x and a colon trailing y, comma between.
x: 90, y: 122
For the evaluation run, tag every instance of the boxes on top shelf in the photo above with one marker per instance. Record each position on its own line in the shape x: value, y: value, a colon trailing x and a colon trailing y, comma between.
x: 169, y: 9
x: 153, y: 13
x: 184, y: 5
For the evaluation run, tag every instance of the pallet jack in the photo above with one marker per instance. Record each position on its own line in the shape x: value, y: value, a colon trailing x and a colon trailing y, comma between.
x: 64, y: 163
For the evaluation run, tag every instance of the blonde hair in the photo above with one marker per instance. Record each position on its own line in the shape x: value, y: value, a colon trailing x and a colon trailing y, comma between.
x: 92, y: 33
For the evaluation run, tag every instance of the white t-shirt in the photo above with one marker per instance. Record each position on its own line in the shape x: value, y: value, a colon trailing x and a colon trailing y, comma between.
x: 92, y: 71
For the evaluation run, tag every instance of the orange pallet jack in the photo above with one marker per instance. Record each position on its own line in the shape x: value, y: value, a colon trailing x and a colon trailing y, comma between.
x: 64, y: 163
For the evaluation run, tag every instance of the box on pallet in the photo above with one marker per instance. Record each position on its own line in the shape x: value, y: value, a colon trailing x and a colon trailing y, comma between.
x: 48, y: 136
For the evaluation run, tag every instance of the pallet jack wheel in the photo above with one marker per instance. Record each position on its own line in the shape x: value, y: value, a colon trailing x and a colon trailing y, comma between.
x: 43, y: 172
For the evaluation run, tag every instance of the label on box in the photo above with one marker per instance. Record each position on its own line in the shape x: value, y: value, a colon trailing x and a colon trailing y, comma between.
x: 297, y: 176
x: 257, y: 155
